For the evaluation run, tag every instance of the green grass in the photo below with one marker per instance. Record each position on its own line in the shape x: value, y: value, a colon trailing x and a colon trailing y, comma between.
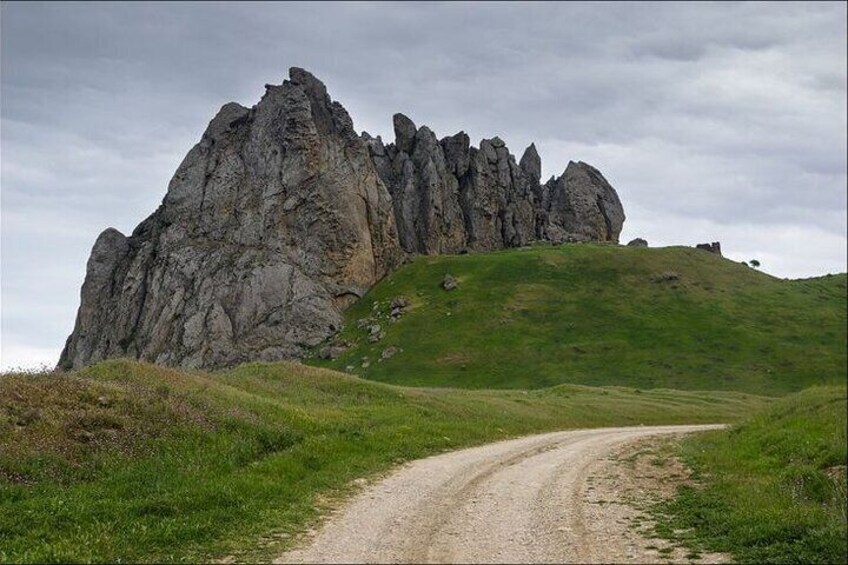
x: 597, y: 315
x: 773, y: 489
x: 130, y: 462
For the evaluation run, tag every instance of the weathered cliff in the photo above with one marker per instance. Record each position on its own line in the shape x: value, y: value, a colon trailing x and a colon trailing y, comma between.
x: 282, y: 216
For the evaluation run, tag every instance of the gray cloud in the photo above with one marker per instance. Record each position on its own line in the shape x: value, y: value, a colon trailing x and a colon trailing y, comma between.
x: 714, y: 121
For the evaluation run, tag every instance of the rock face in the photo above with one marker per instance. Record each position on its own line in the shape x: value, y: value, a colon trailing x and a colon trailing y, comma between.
x: 449, y: 197
x: 282, y: 216
x: 272, y: 225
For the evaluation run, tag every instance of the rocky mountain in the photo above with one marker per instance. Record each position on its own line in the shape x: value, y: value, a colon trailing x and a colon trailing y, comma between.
x: 282, y: 216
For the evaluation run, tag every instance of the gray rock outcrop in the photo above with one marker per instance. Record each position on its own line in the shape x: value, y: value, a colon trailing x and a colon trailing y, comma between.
x: 714, y: 247
x: 450, y: 197
x: 273, y: 224
x: 282, y: 216
x: 637, y: 242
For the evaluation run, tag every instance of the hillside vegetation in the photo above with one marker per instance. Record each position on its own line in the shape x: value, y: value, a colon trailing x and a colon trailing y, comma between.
x: 125, y: 461
x: 773, y: 489
x: 672, y: 317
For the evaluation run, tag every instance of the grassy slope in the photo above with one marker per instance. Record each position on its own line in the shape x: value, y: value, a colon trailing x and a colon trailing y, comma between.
x: 125, y: 461
x: 592, y: 314
x: 774, y: 488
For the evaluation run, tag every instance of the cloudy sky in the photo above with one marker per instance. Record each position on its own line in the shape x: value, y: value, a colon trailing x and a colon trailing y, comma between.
x: 715, y: 122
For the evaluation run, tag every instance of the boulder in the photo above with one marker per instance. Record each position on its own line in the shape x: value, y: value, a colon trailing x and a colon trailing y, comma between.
x: 332, y: 351
x: 666, y: 277
x: 714, y: 247
x: 638, y: 242
x: 389, y: 352
x: 580, y: 206
x: 399, y: 302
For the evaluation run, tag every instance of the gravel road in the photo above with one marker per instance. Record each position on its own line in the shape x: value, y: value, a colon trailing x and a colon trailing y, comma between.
x: 516, y: 501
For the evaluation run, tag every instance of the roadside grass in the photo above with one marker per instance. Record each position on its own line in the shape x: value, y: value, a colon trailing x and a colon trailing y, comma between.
x: 770, y: 490
x: 674, y: 317
x: 125, y: 461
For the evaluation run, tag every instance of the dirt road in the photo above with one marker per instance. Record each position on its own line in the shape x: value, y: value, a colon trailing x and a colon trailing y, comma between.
x: 516, y: 501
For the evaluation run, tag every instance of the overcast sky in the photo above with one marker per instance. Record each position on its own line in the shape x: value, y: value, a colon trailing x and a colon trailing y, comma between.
x: 714, y: 122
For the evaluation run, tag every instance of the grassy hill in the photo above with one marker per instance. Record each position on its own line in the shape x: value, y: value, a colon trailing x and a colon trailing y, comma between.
x: 672, y: 317
x: 130, y: 462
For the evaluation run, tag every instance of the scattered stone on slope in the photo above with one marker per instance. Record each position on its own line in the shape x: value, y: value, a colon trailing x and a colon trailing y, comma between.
x: 389, y: 352
x: 398, y: 306
x: 333, y: 351
x: 714, y: 247
x: 666, y: 277
x: 449, y: 283
x: 638, y: 242
x: 375, y: 333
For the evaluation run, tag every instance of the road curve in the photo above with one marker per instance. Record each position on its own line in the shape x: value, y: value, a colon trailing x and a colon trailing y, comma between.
x: 516, y: 501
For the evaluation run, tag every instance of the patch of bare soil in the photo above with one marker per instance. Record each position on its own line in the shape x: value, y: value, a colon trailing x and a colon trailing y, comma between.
x: 621, y: 487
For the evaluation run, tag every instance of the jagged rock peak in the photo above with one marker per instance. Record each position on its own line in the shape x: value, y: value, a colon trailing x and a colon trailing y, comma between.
x: 281, y: 216
x: 308, y: 81
x: 405, y: 131
x: 531, y: 163
x: 449, y: 196
x: 228, y: 117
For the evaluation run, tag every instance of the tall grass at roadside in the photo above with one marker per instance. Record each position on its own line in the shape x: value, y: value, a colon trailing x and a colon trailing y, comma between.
x: 772, y: 489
